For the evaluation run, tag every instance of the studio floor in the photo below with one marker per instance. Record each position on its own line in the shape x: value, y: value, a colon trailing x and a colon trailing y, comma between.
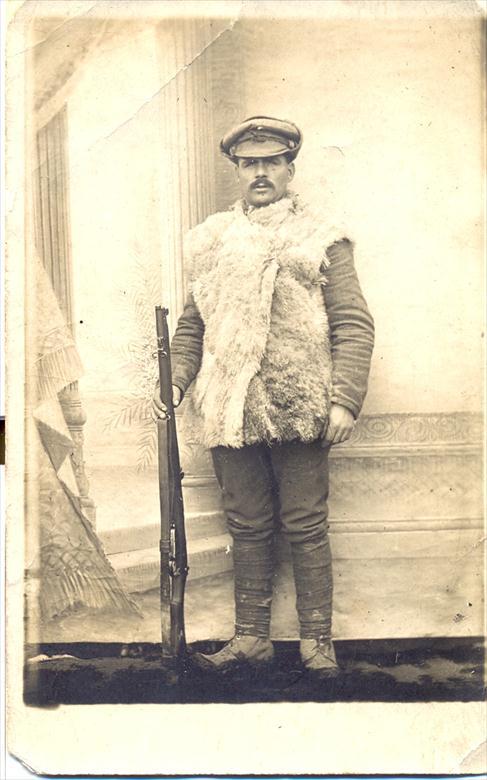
x: 108, y: 658
x: 88, y: 673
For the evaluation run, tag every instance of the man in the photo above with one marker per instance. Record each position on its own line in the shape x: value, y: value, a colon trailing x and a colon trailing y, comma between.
x: 278, y: 336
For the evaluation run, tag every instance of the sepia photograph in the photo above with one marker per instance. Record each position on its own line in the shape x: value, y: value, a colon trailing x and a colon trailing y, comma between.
x: 245, y: 347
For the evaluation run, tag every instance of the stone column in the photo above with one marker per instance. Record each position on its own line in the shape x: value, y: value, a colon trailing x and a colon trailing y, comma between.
x: 186, y: 167
x: 53, y: 245
x: 75, y: 417
x: 188, y: 170
x: 187, y: 154
x: 227, y: 66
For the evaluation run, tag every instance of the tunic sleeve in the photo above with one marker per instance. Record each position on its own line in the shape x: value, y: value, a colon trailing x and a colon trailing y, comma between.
x: 187, y: 346
x: 351, y: 328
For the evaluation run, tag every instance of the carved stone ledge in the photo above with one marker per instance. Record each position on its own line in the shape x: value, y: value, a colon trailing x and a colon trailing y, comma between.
x: 393, y: 436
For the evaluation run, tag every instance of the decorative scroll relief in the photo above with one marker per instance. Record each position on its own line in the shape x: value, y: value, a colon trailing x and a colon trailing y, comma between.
x: 417, y: 429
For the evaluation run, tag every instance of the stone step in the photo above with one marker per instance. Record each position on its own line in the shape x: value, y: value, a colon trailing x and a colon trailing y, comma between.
x: 139, y: 569
x: 199, y: 525
x: 421, y: 538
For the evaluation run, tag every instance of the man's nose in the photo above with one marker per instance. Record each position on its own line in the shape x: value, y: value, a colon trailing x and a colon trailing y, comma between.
x: 261, y: 169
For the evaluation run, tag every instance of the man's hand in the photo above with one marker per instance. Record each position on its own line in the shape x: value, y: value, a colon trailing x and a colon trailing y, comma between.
x: 340, y: 425
x: 159, y: 410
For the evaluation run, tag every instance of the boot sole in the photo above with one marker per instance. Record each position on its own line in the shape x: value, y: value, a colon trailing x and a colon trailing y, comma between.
x: 206, y: 665
x: 324, y: 674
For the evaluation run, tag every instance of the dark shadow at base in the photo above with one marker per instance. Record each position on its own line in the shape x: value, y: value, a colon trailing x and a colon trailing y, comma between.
x: 376, y: 670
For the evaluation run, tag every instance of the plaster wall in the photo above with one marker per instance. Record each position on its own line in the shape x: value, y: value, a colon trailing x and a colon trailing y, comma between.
x: 115, y: 170
x: 391, y: 114
x: 114, y: 197
x: 391, y: 119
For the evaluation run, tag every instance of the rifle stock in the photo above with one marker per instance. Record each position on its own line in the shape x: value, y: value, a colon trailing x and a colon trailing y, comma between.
x: 174, y: 561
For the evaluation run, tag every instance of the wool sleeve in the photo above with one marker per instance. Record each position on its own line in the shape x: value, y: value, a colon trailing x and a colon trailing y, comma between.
x: 187, y: 346
x: 351, y: 328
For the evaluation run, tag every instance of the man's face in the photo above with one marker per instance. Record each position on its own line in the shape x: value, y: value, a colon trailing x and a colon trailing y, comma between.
x: 264, y: 180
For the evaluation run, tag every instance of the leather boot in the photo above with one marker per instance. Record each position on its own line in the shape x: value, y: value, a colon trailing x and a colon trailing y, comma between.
x: 242, y: 650
x: 318, y: 656
x: 253, y: 570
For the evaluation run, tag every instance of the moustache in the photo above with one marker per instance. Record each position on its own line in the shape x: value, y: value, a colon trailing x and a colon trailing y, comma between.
x: 261, y: 181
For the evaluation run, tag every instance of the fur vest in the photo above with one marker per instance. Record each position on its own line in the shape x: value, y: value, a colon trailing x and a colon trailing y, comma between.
x: 256, y: 275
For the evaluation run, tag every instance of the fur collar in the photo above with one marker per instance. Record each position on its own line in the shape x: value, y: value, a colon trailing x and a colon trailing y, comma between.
x: 296, y: 222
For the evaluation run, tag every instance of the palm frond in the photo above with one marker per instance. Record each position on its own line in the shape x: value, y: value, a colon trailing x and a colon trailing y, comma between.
x: 134, y: 411
x: 139, y: 357
x: 146, y: 448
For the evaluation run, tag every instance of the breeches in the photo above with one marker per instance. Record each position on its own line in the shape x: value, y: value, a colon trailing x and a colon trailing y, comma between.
x: 264, y: 487
x: 284, y: 484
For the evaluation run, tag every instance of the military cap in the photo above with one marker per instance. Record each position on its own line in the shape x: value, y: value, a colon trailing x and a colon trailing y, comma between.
x: 262, y: 136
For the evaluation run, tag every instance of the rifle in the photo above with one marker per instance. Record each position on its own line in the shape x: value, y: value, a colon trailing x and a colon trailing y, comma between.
x: 174, y: 559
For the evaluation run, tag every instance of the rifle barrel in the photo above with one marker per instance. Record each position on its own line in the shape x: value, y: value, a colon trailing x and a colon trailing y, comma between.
x: 174, y: 562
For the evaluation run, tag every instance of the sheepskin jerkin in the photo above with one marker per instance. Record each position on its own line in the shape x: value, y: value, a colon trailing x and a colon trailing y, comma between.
x: 256, y: 275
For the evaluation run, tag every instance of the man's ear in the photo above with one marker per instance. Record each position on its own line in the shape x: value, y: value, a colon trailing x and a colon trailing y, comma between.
x: 292, y: 170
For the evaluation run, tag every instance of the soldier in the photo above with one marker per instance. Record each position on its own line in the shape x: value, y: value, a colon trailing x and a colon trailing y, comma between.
x: 278, y: 338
